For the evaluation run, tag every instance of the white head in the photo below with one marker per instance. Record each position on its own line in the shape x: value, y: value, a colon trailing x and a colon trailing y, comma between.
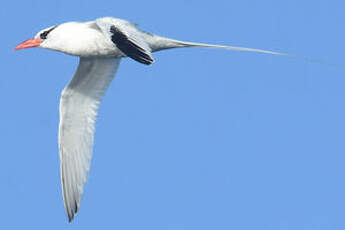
x: 74, y: 38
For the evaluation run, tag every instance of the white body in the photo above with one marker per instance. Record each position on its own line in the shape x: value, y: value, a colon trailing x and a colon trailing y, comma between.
x: 100, y: 45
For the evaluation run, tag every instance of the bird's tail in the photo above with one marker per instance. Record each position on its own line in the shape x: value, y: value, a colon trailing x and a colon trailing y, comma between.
x: 167, y: 43
x: 162, y: 43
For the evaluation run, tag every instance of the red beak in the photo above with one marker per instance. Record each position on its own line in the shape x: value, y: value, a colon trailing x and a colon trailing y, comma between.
x: 33, y: 42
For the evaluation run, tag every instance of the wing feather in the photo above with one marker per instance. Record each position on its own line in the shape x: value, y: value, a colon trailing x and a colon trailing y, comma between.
x: 127, y: 38
x: 78, y: 112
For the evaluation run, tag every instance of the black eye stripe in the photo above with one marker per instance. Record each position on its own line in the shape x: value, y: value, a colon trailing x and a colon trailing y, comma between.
x: 45, y: 33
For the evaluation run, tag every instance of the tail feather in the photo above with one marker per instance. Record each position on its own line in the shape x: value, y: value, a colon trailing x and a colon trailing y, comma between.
x: 167, y: 43
x: 161, y: 43
x: 235, y: 48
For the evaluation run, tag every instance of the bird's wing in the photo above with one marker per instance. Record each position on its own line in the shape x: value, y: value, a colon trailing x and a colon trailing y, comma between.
x: 78, y: 112
x: 127, y: 38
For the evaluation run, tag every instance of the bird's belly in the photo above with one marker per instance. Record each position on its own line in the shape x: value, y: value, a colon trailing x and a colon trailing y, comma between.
x: 100, y: 51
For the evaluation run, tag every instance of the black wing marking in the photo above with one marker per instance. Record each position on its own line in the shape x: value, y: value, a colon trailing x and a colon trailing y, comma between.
x: 130, y: 48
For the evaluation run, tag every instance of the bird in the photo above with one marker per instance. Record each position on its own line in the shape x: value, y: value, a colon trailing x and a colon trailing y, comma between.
x: 100, y: 46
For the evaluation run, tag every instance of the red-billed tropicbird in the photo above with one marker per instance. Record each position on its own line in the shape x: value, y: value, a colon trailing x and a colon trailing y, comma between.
x: 100, y: 44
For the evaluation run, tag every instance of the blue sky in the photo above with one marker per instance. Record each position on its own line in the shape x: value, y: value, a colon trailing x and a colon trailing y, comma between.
x: 202, y: 139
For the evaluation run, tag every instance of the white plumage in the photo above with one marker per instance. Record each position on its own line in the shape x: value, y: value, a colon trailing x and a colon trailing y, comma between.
x: 78, y: 112
x: 100, y: 45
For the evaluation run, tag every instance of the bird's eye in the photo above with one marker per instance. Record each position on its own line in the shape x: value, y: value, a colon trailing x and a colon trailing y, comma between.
x: 44, y: 34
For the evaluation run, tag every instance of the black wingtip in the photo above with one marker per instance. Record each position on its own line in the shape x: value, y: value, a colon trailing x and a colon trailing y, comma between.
x: 70, y: 218
x: 146, y: 61
x: 74, y: 211
x: 130, y: 48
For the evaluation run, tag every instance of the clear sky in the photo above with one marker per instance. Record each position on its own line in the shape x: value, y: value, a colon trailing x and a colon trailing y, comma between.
x: 202, y: 139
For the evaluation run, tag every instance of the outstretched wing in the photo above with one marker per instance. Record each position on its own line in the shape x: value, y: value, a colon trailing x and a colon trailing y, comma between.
x: 78, y: 112
x: 127, y: 38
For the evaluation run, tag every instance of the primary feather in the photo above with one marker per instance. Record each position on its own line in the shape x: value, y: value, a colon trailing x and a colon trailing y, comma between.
x: 78, y: 112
